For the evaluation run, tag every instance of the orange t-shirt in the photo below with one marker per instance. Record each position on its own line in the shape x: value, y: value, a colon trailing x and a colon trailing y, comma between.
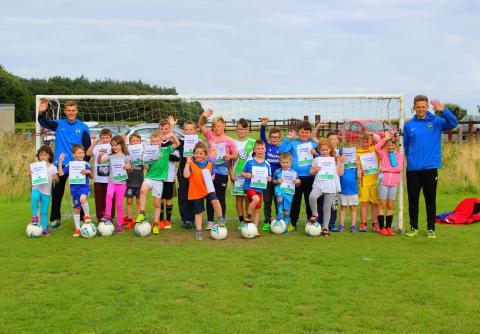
x: 197, y: 188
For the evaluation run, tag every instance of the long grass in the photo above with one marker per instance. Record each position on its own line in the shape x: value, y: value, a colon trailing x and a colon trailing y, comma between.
x: 461, y: 166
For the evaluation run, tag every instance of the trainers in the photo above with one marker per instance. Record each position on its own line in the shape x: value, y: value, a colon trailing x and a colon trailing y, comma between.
x: 189, y: 225
x: 155, y: 229
x: 292, y: 228
x: 119, y: 228
x: 35, y: 220
x: 247, y: 220
x: 198, y: 235
x: 167, y: 224
x: 221, y: 221
x: 390, y: 232
x: 353, y: 229
x: 184, y: 225
x: 140, y: 218
x: 333, y: 228
x: 341, y: 228
x: 325, y: 233
x: 374, y: 228
x: 76, y: 233
x: 363, y: 227
x: 46, y: 233
x: 413, y: 233
x: 286, y: 231
x: 125, y: 220
x: 209, y: 226
x: 279, y: 216
x: 431, y: 234
x: 130, y: 223
x: 312, y: 219
x: 266, y: 227
x: 87, y: 219
x: 55, y: 225
x: 384, y: 232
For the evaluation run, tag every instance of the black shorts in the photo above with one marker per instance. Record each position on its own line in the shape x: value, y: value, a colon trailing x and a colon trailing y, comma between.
x: 167, y: 192
x: 132, y: 192
x: 198, y: 205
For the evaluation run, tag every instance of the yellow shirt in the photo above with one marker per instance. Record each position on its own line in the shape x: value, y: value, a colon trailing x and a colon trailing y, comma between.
x: 371, y: 179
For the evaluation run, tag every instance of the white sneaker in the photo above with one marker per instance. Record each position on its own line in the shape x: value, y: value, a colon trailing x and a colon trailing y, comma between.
x: 209, y: 226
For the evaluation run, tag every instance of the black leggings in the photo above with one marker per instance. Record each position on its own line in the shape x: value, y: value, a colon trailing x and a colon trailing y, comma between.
x: 304, y: 189
x: 220, y: 184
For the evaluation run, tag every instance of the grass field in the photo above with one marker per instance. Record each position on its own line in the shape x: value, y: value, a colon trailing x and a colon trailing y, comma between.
x: 348, y: 283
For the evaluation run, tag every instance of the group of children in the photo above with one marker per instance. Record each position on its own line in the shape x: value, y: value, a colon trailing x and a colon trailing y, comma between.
x: 261, y: 170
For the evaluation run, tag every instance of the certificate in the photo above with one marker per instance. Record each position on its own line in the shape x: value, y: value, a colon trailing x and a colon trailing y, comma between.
x: 135, y: 152
x: 207, y: 177
x: 350, y: 154
x: 304, y: 154
x: 259, y: 177
x: 39, y: 173
x: 75, y: 175
x: 151, y: 153
x: 221, y: 152
x: 288, y: 184
x: 369, y: 163
x: 189, y: 143
x: 327, y: 168
x: 118, y: 171
x: 238, y: 185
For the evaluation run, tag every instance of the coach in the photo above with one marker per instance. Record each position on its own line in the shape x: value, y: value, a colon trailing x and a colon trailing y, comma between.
x: 422, y: 139
x: 68, y: 132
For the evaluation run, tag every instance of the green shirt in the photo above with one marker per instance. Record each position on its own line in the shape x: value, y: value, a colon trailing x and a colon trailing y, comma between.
x: 158, y: 170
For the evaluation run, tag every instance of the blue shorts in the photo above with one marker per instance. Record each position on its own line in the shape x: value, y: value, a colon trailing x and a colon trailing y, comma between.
x: 287, y: 199
x: 198, y: 205
x: 77, y: 193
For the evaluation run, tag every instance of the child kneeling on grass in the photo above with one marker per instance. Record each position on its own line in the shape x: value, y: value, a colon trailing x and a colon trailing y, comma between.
x: 391, y: 166
x: 198, y: 171
x: 79, y: 187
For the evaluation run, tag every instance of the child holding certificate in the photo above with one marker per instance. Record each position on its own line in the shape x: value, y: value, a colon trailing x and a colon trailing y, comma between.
x: 43, y: 173
x: 186, y: 148
x: 135, y: 178
x: 285, y: 180
x: 368, y: 176
x: 199, y: 173
x: 326, y: 169
x: 391, y: 166
x: 78, y: 172
x: 257, y: 175
x: 119, y: 163
x: 221, y: 149
x: 157, y: 172
x: 349, y: 185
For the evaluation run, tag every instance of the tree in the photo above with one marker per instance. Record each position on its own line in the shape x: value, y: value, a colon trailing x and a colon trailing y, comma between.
x: 13, y: 90
x: 457, y: 110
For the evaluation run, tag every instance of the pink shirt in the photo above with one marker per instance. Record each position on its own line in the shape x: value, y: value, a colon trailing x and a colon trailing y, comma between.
x: 391, y: 175
x: 213, y: 142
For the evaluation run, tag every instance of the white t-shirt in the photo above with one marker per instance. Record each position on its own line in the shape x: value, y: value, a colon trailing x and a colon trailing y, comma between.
x: 107, y: 159
x: 46, y: 188
x: 240, y: 145
x: 327, y: 186
x: 101, y: 172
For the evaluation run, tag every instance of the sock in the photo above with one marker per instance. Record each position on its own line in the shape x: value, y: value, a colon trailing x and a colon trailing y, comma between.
x: 221, y: 220
x: 380, y: 221
x: 169, y: 212
x: 286, y: 218
x: 86, y: 209
x: 76, y: 220
x: 389, y: 221
x: 162, y: 210
x: 240, y: 219
x: 279, y: 208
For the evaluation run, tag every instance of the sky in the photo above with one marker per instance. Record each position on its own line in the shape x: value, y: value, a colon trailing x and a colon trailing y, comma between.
x: 253, y: 47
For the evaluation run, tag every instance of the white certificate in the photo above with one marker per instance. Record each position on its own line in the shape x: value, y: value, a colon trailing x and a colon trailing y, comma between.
x: 39, y: 173
x: 304, y: 154
x: 288, y: 185
x: 238, y: 185
x: 75, y: 175
x: 259, y: 177
x: 207, y: 177
x: 221, y: 152
x: 118, y: 171
x: 350, y: 154
x: 327, y: 168
x: 151, y: 153
x: 189, y: 143
x: 369, y: 163
x: 135, y: 152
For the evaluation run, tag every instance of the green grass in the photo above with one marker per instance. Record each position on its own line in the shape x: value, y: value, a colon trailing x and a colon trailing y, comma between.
x: 348, y: 283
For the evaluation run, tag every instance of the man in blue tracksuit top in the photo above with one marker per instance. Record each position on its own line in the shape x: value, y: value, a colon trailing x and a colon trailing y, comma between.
x: 422, y: 138
x: 68, y: 132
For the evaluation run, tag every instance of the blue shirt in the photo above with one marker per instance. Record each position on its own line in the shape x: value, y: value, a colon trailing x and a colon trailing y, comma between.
x: 291, y: 147
x: 349, y: 182
x: 75, y: 187
x: 248, y: 169
x: 422, y: 139
x: 272, y: 152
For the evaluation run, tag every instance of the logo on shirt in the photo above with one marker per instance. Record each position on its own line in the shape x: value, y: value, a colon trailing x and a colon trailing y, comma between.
x: 242, y: 154
x: 77, y: 131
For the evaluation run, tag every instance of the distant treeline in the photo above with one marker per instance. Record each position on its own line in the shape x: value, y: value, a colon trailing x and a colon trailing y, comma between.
x: 21, y: 92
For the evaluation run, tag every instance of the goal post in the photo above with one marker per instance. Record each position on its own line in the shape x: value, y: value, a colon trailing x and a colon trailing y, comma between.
x: 136, y: 109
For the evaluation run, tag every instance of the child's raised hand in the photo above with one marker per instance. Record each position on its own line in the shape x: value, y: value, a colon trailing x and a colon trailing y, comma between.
x: 388, y: 135
x: 172, y: 121
x: 61, y: 157
x: 264, y: 120
x: 43, y: 105
x: 189, y: 159
x: 291, y: 134
x: 207, y: 113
